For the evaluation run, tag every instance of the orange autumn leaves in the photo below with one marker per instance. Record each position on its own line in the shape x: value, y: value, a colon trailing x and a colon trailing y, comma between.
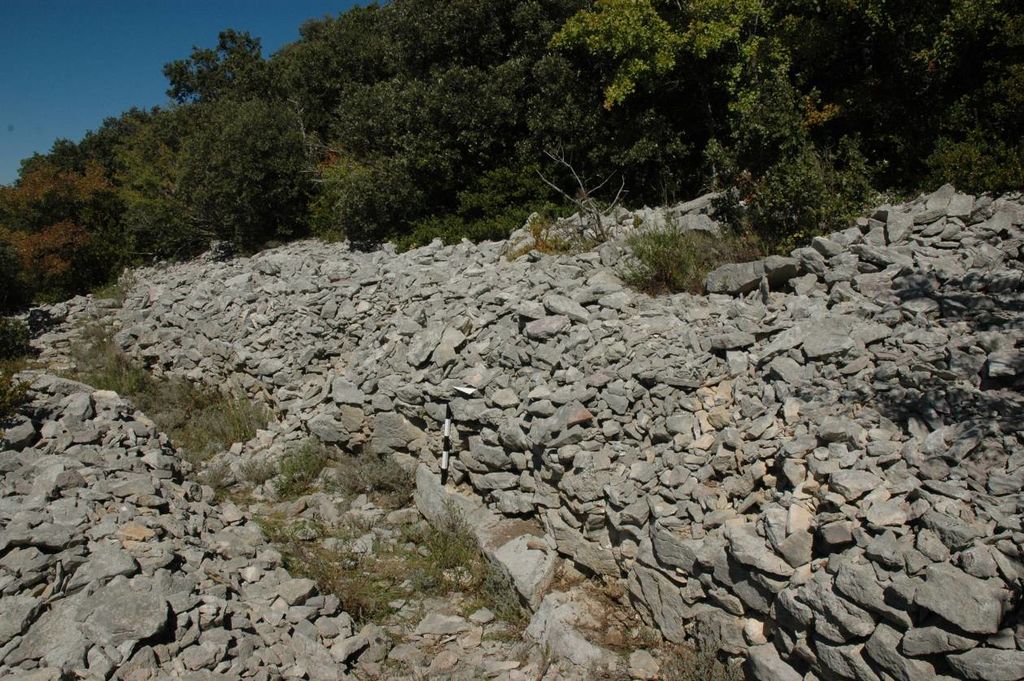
x: 46, y: 257
x: 42, y: 218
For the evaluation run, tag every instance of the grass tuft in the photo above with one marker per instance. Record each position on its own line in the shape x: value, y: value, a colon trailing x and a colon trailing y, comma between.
x: 117, y: 289
x: 300, y: 469
x: 687, y: 663
x: 199, y: 421
x: 15, y: 356
x: 379, y: 477
x: 452, y: 561
x: 365, y: 583
x: 670, y: 260
x: 13, y: 394
x: 257, y: 472
x: 425, y: 560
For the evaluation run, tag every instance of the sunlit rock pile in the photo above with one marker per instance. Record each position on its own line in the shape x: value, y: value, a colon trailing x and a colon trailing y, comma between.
x: 818, y: 466
x: 112, y: 563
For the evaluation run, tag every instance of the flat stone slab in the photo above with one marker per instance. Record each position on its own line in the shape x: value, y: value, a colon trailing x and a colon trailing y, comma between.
x: 518, y: 547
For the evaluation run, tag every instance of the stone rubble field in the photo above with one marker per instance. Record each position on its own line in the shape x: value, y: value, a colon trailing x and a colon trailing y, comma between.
x: 113, y: 562
x: 817, y: 467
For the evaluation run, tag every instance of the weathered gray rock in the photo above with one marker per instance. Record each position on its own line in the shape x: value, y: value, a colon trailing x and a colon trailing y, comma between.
x: 974, y: 605
x: 934, y: 640
x: 547, y: 327
x: 555, y: 627
x: 327, y: 429
x: 853, y: 484
x: 642, y: 665
x: 883, y: 648
x: 766, y: 665
x: 747, y: 548
x: 392, y: 431
x: 19, y: 434
x: 532, y: 570
x: 437, y: 624
x: 735, y: 278
x: 344, y: 392
x: 643, y: 431
x: 567, y: 307
x: 18, y: 611
x: 989, y: 664
x: 296, y: 591
x: 117, y: 613
x: 780, y: 269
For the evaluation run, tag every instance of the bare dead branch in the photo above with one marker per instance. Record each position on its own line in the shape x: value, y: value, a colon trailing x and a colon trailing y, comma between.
x: 591, y: 212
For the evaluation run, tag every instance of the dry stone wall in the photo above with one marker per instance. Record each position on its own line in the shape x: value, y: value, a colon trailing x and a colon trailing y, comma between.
x: 818, y: 466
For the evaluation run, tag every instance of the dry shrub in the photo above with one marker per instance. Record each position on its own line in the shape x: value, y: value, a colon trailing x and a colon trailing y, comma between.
x: 671, y: 260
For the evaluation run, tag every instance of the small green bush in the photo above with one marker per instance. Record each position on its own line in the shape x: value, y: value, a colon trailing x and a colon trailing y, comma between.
x: 670, y: 260
x: 299, y: 469
x: 14, y: 338
x: 13, y: 394
x: 378, y: 476
x: 807, y: 195
x: 977, y: 164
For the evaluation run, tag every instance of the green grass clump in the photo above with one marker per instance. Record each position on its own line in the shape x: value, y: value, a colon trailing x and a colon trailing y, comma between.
x: 379, y: 477
x: 671, y: 260
x: 364, y: 583
x: 257, y: 472
x: 300, y: 468
x: 116, y: 289
x: 14, y: 357
x: 453, y: 561
x: 13, y: 394
x: 200, y: 421
x: 13, y: 339
x: 426, y: 560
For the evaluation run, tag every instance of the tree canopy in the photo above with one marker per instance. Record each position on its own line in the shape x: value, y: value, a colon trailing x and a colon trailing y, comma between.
x: 420, y: 119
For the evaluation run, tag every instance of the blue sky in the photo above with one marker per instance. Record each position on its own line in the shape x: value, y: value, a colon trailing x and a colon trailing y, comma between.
x: 68, y: 64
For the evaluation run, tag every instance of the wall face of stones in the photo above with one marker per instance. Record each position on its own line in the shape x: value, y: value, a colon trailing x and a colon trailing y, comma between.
x: 819, y: 465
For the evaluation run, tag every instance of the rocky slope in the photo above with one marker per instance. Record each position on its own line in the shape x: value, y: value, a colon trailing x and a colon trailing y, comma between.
x: 113, y: 562
x: 817, y: 467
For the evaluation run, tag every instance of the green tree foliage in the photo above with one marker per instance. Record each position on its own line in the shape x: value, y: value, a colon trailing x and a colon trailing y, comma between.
x: 498, y: 202
x: 629, y: 35
x: 360, y: 201
x: 420, y: 119
x: 243, y: 172
x: 157, y: 221
x: 47, y: 218
x: 235, y: 68
x: 13, y: 294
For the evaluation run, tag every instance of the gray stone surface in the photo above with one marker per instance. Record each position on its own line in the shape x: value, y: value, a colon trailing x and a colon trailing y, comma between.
x: 972, y: 604
x: 735, y: 278
x: 989, y: 664
x: 870, y: 379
